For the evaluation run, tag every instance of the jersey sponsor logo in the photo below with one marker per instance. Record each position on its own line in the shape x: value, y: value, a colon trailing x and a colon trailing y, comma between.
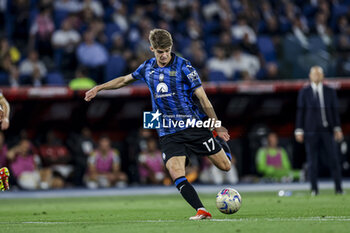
x: 164, y: 95
x: 162, y: 88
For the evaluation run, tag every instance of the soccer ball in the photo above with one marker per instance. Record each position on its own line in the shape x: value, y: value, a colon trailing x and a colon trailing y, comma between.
x: 228, y: 201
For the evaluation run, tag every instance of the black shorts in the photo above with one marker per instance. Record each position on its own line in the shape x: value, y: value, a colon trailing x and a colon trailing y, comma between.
x: 192, y: 141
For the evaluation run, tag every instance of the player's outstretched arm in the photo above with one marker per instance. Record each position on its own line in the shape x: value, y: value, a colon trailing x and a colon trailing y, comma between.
x: 4, y: 113
x: 209, y: 110
x: 113, y: 84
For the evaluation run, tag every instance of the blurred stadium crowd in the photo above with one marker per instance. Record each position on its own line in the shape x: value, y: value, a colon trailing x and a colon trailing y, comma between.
x: 84, y: 160
x: 55, y: 42
x: 83, y: 42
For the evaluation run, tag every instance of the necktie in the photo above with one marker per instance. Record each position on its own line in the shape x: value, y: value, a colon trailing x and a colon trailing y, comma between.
x: 317, y: 97
x: 322, y: 108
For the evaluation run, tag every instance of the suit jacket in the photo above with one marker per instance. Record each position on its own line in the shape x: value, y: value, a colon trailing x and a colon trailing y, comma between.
x: 309, y: 116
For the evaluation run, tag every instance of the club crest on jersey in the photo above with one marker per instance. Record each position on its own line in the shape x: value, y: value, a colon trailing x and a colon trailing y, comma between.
x: 161, y: 77
x: 162, y: 88
x: 172, y: 73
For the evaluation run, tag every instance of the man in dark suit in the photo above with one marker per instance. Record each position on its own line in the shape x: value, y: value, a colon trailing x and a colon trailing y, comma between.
x: 318, y: 124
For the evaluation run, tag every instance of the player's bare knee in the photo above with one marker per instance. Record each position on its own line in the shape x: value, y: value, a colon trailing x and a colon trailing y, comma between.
x: 226, y: 166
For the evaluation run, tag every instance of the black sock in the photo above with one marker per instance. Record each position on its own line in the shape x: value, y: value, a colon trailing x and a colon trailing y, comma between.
x: 188, y: 192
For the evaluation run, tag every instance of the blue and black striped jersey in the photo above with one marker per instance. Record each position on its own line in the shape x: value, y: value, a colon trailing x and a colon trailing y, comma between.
x: 171, y: 90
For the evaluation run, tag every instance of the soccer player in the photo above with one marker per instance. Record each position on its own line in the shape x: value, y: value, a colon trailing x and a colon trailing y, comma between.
x: 172, y: 82
x: 5, y: 123
x: 4, y: 112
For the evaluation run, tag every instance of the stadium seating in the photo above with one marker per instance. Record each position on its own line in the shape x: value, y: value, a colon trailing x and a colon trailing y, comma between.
x: 267, y: 48
x: 115, y: 67
x: 59, y: 16
x: 217, y: 76
x: 55, y: 79
x: 316, y: 44
x: 111, y: 28
x: 4, y: 79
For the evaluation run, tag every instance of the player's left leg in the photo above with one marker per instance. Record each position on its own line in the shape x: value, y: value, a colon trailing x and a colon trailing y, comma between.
x: 176, y: 168
x: 204, y: 144
x: 220, y: 160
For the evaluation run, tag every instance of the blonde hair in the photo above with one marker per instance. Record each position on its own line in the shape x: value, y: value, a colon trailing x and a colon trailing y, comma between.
x: 160, y: 39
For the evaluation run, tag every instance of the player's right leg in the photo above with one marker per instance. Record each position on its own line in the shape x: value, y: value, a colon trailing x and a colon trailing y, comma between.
x: 176, y: 168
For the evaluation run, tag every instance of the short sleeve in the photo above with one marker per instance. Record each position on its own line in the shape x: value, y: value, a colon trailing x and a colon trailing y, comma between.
x: 139, y: 73
x: 191, y: 75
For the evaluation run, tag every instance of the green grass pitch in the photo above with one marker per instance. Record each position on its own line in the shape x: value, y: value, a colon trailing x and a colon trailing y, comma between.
x: 260, y: 212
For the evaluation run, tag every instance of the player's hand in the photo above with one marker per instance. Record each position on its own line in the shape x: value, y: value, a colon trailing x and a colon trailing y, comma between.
x: 338, y: 136
x: 299, y: 138
x: 90, y: 94
x: 5, y: 123
x: 223, y: 133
